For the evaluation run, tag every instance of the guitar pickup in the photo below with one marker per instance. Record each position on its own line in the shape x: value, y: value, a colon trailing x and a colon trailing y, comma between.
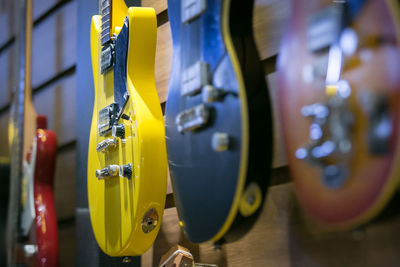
x: 194, y: 78
x: 107, y: 57
x: 108, y: 117
x: 324, y: 27
x: 106, y: 144
x: 193, y: 118
x: 191, y: 9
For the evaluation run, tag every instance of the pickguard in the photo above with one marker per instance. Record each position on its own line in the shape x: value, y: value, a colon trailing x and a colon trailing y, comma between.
x: 121, y: 94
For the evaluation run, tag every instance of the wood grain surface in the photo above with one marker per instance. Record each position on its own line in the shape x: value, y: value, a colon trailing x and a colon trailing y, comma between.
x: 282, y: 236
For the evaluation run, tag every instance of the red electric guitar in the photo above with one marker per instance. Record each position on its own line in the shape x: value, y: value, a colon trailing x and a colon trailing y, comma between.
x: 31, y: 231
x: 340, y: 107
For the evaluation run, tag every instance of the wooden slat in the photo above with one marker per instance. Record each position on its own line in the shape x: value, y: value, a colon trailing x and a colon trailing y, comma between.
x: 158, y: 5
x: 64, y: 186
x: 269, y: 21
x: 282, y: 236
x: 279, y: 158
x: 42, y: 6
x: 58, y: 103
x: 4, y: 146
x: 7, y: 23
x: 8, y: 74
x: 67, y: 245
x: 54, y: 44
x: 163, y: 60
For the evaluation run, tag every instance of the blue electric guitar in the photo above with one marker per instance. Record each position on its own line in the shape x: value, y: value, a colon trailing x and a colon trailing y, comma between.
x: 218, y: 119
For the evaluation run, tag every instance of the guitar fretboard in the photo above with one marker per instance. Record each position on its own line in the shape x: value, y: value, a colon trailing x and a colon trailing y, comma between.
x: 105, y: 9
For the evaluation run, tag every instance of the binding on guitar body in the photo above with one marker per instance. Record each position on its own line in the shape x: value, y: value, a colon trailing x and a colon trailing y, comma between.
x: 218, y: 120
x: 127, y: 164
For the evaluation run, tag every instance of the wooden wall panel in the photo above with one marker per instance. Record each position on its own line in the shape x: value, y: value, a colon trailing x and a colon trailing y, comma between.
x: 64, y: 186
x: 4, y: 147
x: 279, y: 158
x: 42, y: 6
x: 7, y: 74
x: 54, y: 44
x: 7, y: 25
x: 66, y: 240
x: 283, y: 236
x: 269, y: 21
x: 163, y: 60
x: 158, y: 5
x: 57, y: 102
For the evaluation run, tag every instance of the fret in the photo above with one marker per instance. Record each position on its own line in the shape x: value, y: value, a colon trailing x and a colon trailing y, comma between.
x: 105, y: 21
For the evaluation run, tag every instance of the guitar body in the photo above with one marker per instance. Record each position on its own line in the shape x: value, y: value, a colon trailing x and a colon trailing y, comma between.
x: 45, y: 215
x: 218, y: 120
x: 37, y: 244
x: 339, y: 102
x: 126, y: 209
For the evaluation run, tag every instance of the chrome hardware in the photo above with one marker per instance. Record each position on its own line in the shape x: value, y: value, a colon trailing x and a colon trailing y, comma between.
x: 191, y: 9
x: 107, y: 57
x: 114, y: 170
x: 30, y: 249
x: 118, y: 131
x: 316, y: 71
x: 330, y: 143
x: 126, y: 171
x: 211, y: 94
x: 109, y: 171
x: 220, y: 141
x: 149, y: 221
x: 348, y: 41
x: 194, y: 78
x: 108, y: 117
x: 106, y: 144
x: 126, y: 260
x: 193, y: 118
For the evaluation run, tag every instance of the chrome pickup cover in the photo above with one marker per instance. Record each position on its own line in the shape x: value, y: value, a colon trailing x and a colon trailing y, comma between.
x: 108, y: 116
x: 194, y: 78
x: 193, y: 118
x: 107, y: 57
x: 191, y: 9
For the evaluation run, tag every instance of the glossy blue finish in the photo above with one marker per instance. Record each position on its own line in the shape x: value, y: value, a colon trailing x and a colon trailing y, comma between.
x: 205, y: 181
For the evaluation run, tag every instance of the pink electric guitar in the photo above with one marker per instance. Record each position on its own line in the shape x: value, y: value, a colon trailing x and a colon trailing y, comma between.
x: 31, y: 235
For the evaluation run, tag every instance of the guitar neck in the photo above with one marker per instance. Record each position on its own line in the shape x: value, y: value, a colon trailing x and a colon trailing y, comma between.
x: 105, y: 11
x: 21, y: 99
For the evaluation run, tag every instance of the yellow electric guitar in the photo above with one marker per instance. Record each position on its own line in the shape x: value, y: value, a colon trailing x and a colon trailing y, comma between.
x: 127, y: 164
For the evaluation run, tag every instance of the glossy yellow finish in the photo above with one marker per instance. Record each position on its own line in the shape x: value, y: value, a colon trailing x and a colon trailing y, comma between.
x: 117, y: 205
